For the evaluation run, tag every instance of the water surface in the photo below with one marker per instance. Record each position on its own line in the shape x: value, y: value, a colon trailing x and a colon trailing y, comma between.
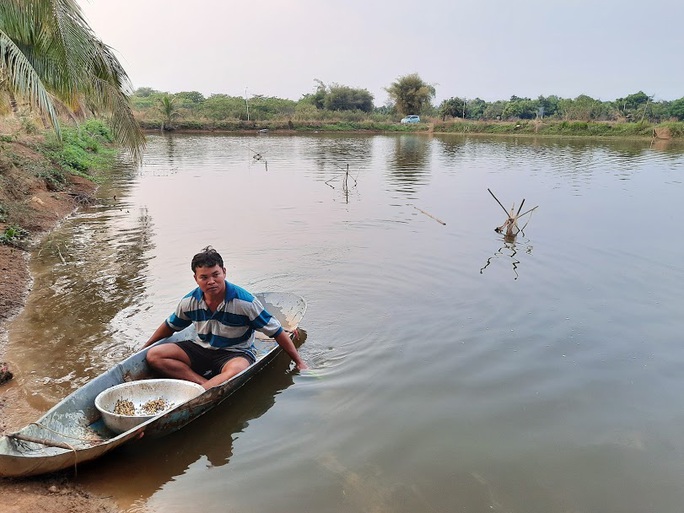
x: 454, y: 370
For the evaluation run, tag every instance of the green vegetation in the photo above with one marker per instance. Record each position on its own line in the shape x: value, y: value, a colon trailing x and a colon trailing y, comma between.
x: 410, y: 94
x: 635, y: 108
x: 81, y: 150
x: 167, y: 107
x: 25, y: 163
x: 342, y: 108
x: 340, y: 98
x: 14, y: 236
x: 556, y: 127
x: 50, y: 57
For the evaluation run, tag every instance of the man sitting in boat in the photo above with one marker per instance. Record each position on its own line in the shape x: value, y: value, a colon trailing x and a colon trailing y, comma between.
x: 225, y: 316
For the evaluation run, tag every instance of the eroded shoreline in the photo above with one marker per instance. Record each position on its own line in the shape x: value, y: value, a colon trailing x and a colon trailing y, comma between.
x: 41, y: 210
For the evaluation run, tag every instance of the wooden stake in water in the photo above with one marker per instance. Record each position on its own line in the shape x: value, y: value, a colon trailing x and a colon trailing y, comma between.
x: 429, y: 215
x: 510, y: 226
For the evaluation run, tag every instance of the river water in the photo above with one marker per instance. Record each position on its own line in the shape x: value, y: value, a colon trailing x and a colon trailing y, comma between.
x: 453, y: 370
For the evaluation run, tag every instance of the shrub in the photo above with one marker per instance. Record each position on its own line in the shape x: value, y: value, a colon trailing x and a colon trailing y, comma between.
x: 81, y: 149
x: 14, y: 236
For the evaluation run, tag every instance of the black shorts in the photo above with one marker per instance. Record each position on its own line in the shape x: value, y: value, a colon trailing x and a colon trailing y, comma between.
x: 209, y: 362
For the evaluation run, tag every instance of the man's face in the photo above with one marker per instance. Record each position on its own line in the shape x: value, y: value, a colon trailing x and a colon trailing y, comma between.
x: 211, y: 280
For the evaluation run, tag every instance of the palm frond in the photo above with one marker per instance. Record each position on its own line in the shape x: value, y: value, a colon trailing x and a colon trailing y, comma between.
x: 71, y: 62
x: 24, y: 80
x: 109, y: 100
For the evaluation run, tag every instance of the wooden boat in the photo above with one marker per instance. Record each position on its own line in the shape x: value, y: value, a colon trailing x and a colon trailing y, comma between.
x: 73, y: 431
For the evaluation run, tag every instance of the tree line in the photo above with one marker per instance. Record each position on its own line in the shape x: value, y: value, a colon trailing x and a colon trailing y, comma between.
x: 409, y: 94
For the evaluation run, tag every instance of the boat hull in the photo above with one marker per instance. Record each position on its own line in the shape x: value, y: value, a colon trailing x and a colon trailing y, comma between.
x: 72, y: 432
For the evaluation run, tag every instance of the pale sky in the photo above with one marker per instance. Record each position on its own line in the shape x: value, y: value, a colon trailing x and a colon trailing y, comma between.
x: 491, y: 49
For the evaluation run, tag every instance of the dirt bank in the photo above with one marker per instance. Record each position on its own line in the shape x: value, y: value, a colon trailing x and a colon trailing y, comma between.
x: 26, y: 201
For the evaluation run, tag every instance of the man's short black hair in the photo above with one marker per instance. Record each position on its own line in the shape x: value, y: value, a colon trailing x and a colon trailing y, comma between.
x: 208, y: 257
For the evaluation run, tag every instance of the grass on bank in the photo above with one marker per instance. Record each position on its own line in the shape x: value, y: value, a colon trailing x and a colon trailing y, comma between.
x: 83, y: 150
x: 570, y: 128
x: 237, y: 125
x: 673, y: 129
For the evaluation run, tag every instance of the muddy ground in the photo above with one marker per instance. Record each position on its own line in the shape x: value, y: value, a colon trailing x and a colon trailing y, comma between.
x: 26, y: 201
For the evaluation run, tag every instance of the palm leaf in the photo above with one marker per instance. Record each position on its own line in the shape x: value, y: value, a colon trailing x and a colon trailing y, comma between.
x: 24, y: 80
x: 72, y: 63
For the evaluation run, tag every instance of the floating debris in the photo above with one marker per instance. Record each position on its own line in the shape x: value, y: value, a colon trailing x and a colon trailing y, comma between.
x: 429, y: 215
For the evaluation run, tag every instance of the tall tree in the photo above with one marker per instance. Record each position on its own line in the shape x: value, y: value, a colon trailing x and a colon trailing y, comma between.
x: 475, y: 108
x: 341, y: 97
x: 633, y: 106
x: 520, y: 108
x: 410, y: 94
x: 454, y: 107
x: 677, y: 109
x: 167, y: 107
x: 194, y: 97
x: 318, y: 98
x: 51, y: 58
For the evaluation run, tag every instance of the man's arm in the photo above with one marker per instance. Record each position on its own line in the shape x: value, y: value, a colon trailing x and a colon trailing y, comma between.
x: 284, y: 341
x: 161, y: 332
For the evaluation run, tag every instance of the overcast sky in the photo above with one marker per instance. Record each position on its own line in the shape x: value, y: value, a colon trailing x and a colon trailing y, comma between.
x: 491, y: 49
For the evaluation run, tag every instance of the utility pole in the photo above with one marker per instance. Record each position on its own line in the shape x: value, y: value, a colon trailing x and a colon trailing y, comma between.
x: 247, y: 104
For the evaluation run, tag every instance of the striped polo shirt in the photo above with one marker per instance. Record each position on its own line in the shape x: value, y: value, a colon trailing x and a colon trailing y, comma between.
x: 233, y: 323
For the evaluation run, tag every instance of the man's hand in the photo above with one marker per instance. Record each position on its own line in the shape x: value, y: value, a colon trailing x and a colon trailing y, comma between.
x: 284, y: 341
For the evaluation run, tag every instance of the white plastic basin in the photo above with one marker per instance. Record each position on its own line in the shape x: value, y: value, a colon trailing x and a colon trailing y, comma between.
x: 171, y: 391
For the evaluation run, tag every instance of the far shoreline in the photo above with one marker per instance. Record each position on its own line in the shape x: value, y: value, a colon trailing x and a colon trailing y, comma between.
x: 673, y: 131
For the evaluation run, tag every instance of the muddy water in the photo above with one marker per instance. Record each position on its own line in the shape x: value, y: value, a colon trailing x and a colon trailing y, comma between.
x: 454, y: 370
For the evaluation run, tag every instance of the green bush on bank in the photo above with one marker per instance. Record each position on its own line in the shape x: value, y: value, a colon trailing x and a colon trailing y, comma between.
x: 83, y: 148
x: 14, y: 236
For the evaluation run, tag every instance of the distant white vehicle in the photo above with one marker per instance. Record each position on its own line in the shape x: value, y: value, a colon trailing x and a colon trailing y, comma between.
x: 411, y: 119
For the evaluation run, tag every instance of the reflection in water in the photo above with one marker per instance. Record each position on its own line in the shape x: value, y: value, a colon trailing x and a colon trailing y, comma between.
x: 575, y: 160
x: 344, y: 181
x: 452, y: 147
x: 170, y: 149
x: 331, y: 154
x: 408, y: 163
x: 86, y: 277
x: 509, y: 250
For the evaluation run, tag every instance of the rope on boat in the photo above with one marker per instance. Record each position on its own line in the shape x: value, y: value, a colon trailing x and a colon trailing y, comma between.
x: 51, y: 443
x: 41, y: 441
x: 48, y: 443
